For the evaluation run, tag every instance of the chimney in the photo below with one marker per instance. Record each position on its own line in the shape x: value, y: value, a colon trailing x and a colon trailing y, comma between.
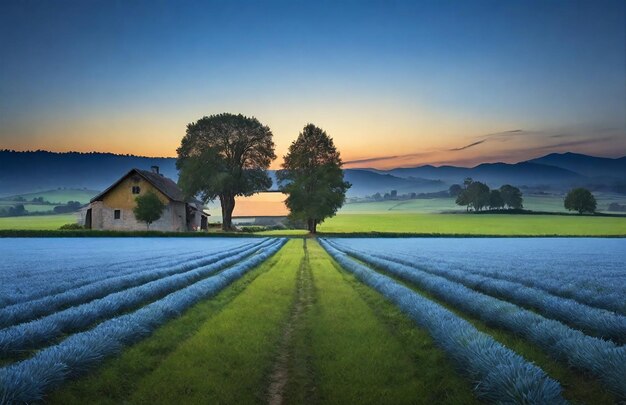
x: 155, y: 169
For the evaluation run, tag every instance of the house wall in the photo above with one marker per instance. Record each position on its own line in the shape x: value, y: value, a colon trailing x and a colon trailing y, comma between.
x: 196, y: 219
x: 103, y: 218
x: 121, y: 198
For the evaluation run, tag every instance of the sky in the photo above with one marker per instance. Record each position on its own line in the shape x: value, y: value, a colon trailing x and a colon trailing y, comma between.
x: 395, y: 84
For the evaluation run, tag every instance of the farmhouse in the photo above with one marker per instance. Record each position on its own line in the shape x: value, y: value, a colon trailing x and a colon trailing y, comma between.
x: 113, y: 208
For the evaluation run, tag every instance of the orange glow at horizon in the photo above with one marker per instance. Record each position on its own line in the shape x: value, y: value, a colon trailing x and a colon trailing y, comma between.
x: 397, y: 140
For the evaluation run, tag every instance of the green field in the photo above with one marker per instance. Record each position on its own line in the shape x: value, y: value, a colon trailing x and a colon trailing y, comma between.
x: 391, y: 222
x: 420, y: 216
x: 35, y: 222
x: 546, y: 203
x: 470, y: 224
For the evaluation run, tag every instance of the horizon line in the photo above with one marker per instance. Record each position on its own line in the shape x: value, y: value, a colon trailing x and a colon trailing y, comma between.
x: 355, y: 168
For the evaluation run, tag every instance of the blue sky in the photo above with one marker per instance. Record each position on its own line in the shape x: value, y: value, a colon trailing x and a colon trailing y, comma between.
x: 399, y: 82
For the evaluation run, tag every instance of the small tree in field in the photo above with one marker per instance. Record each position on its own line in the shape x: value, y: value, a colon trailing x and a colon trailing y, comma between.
x: 512, y: 196
x: 149, y: 208
x: 495, y: 200
x: 312, y: 178
x: 581, y: 200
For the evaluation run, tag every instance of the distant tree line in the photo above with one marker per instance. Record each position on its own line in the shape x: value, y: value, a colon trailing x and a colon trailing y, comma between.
x: 19, y: 210
x: 393, y: 195
x: 16, y: 210
x: 477, y: 196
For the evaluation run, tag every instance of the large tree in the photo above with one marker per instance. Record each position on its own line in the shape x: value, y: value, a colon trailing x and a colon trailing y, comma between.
x: 312, y: 178
x: 581, y: 200
x: 224, y: 156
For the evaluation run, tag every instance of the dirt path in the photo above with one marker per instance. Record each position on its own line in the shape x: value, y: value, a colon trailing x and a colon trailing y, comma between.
x: 292, y: 367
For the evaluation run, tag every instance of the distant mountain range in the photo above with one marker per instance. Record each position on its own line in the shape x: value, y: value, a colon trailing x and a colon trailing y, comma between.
x: 23, y: 172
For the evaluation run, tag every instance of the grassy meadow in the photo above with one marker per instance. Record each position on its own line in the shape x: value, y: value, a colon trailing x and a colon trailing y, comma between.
x: 483, y: 224
x: 419, y: 216
x: 36, y: 222
x: 544, y: 203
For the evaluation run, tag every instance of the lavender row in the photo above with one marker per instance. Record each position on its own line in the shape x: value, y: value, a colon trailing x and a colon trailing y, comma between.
x: 600, y: 357
x: 35, y: 334
x: 568, y: 284
x: 29, y: 310
x: 29, y: 380
x: 502, y: 376
x: 55, y: 280
x: 594, y: 321
x: 590, y: 271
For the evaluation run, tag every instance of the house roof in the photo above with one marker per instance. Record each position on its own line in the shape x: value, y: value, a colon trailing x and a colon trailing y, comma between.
x: 161, y: 183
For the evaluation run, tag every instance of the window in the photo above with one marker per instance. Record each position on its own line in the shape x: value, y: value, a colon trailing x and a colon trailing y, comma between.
x: 117, y: 214
x: 136, y: 189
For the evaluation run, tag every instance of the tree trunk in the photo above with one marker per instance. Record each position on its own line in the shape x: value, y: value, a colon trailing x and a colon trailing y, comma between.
x: 312, y: 225
x: 228, y: 205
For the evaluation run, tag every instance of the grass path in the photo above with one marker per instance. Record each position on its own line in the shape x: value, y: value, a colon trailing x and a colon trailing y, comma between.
x: 366, y: 352
x: 228, y: 359
x: 292, y: 379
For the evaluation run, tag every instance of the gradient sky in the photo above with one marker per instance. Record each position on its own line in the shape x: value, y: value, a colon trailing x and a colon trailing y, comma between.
x: 394, y: 83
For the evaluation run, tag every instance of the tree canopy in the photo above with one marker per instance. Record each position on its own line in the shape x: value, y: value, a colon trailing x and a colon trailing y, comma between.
x: 477, y: 195
x: 149, y: 208
x: 312, y: 178
x: 512, y: 196
x: 581, y: 200
x: 495, y: 199
x: 224, y: 156
x: 474, y: 195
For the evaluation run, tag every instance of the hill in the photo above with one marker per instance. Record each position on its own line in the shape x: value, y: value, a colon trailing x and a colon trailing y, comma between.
x: 35, y: 172
x: 365, y: 182
x: 31, y: 172
x: 496, y: 174
x: 590, y: 166
x: 58, y: 196
x: 554, y: 171
x: 28, y: 172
